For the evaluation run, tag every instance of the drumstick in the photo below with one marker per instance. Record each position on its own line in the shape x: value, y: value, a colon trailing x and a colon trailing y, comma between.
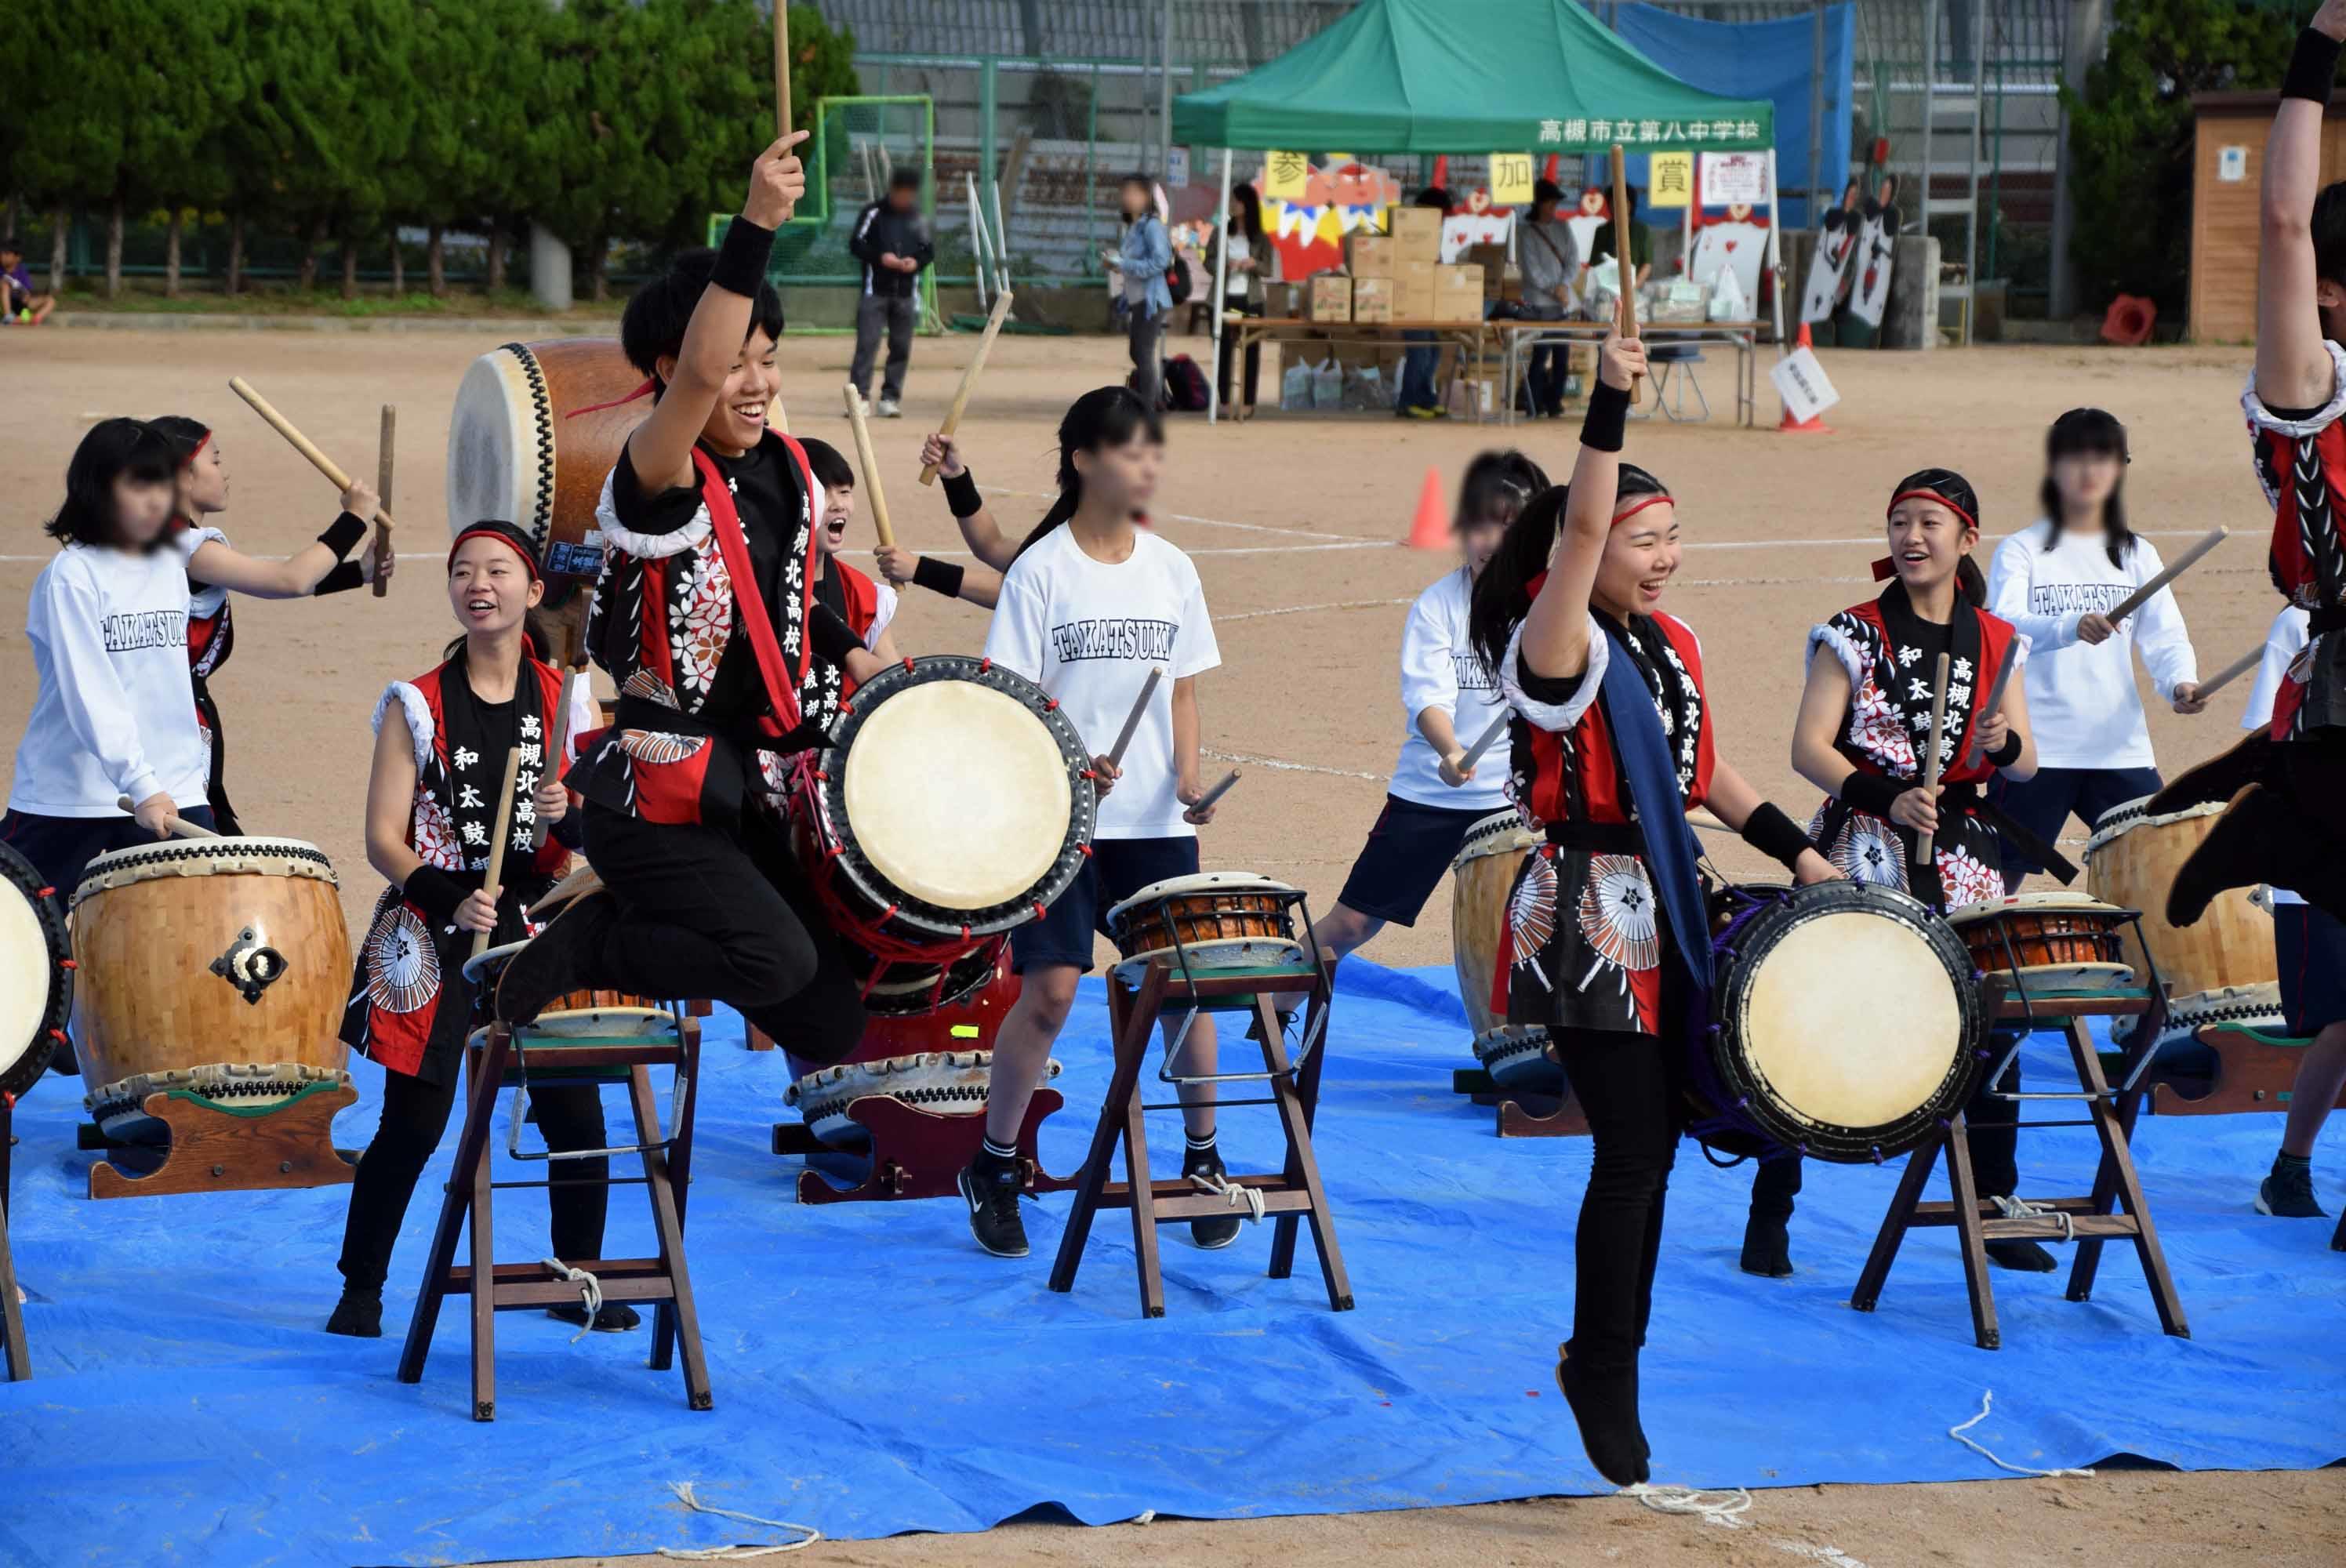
x: 318, y: 460
x: 969, y: 379
x: 1994, y: 701
x: 2231, y: 672
x: 180, y: 827
x: 2141, y: 595
x: 782, y: 67
x: 1923, y: 847
x: 1703, y: 816
x: 871, y: 468
x: 1488, y: 739
x: 382, y: 493
x: 778, y: 417
x: 1625, y: 271
x: 1132, y: 719
x: 497, y: 842
x: 1206, y: 802
x: 574, y: 667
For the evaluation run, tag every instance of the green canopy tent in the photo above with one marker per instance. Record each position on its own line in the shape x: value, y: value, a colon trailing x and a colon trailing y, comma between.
x: 1466, y: 76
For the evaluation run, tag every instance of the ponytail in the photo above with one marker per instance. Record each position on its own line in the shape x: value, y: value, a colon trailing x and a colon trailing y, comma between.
x: 1102, y: 418
x: 1969, y: 584
x: 1502, y: 595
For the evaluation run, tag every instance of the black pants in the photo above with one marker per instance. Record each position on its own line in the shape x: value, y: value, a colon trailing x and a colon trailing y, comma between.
x: 1627, y: 1087
x: 896, y: 315
x: 415, y: 1116
x: 1224, y: 330
x: 707, y: 913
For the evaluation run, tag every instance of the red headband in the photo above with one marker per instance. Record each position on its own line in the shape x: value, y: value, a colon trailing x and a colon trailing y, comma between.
x: 1969, y: 521
x: 1621, y: 518
x: 649, y: 385
x: 497, y: 532
x: 188, y: 460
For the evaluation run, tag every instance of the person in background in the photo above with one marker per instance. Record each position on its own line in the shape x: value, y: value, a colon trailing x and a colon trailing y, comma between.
x: 1418, y: 398
x: 869, y: 608
x: 1248, y: 269
x: 892, y: 243
x: 1551, y: 262
x: 18, y: 304
x: 1141, y: 260
x: 1641, y: 243
x: 2057, y: 580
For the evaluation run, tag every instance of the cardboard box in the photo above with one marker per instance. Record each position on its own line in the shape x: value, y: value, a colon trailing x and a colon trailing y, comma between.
x: 1417, y: 234
x: 1372, y: 300
x: 1492, y: 258
x: 1458, y: 293
x: 1370, y: 255
x: 1283, y: 302
x: 1330, y: 298
x: 1412, y: 291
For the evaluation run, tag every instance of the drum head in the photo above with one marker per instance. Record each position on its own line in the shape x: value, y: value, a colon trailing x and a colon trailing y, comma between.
x: 1200, y: 884
x: 2122, y: 819
x: 230, y: 857
x: 501, y: 444
x: 2033, y: 904
x: 35, y: 987
x: 1493, y: 834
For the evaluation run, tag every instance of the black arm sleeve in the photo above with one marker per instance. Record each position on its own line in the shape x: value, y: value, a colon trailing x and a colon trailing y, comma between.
x: 435, y: 892
x: 1872, y: 792
x: 343, y: 534
x: 832, y: 637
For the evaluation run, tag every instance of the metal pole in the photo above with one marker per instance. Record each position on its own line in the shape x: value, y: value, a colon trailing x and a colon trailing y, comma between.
x: 1165, y: 97
x: 1776, y: 253
x: 1816, y: 180
x: 977, y: 241
x: 1222, y: 291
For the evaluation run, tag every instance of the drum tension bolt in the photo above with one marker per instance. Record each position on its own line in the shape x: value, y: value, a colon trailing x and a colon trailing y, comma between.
x: 219, y: 1170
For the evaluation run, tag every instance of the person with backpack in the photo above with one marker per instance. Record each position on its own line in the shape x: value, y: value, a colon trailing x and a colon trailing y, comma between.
x: 1143, y: 259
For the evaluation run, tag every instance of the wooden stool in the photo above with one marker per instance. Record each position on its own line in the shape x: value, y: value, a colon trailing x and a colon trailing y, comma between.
x: 2089, y: 1220
x: 1294, y: 1193
x: 548, y: 1061
x: 13, y: 1349
x: 2254, y: 1072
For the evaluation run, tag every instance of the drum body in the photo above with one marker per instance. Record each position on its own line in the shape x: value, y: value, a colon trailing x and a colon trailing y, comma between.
x: 1481, y: 879
x: 35, y: 984
x: 953, y: 805
x: 2131, y: 860
x: 579, y: 1016
x: 2051, y: 939
x: 219, y: 966
x: 516, y: 452
x: 2256, y: 1007
x: 1217, y: 920
x: 1844, y: 1024
x: 941, y: 1061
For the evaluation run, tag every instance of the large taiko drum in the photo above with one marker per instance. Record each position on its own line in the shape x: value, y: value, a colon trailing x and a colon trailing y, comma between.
x: 520, y: 451
x: 36, y: 980
x: 1217, y: 920
x: 215, y: 965
x: 953, y: 805
x: 1482, y: 878
x: 1844, y: 1024
x: 2131, y: 860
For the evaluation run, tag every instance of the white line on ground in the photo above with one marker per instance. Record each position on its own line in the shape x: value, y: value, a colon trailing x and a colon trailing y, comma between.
x: 1213, y: 522
x: 1286, y: 766
x: 1307, y: 609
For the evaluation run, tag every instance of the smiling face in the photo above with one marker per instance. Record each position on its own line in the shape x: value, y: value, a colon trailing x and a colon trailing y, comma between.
x: 1927, y: 542
x: 203, y: 482
x: 1478, y: 541
x: 737, y: 423
x: 489, y: 587
x: 838, y: 509
x: 1641, y: 555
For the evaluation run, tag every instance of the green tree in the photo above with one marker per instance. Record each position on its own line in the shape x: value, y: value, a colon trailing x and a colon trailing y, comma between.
x: 199, y: 88
x: 2131, y: 134
x: 90, y: 130
x: 472, y: 120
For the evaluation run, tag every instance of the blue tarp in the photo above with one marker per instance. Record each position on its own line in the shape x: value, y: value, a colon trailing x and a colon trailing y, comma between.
x: 874, y: 1373
x: 1772, y: 60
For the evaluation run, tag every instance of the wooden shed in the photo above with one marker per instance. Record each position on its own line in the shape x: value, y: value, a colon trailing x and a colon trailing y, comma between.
x: 2226, y: 168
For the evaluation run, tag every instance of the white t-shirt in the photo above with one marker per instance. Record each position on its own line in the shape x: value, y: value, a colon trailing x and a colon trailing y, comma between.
x: 1439, y: 669
x: 2082, y: 703
x: 1089, y: 633
x: 116, y: 709
x: 2292, y: 630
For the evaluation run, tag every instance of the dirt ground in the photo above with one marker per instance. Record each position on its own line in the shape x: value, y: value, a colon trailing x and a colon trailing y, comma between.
x: 1292, y: 522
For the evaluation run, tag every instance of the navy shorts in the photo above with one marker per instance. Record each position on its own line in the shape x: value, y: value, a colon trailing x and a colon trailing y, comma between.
x: 60, y: 848
x: 2311, y: 947
x: 1115, y: 869
x: 1402, y: 864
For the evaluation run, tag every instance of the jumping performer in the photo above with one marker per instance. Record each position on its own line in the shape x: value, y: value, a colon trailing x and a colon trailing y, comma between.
x: 728, y: 664
x: 1861, y: 737
x: 869, y: 608
x: 2283, y: 826
x: 214, y: 569
x: 2056, y: 581
x: 1607, y: 943
x: 441, y: 744
x: 1089, y: 606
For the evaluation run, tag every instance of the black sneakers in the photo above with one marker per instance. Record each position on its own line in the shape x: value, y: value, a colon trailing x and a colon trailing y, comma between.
x: 2288, y: 1193
x: 561, y: 959
x: 991, y: 1189
x: 611, y: 1318
x: 1219, y: 1231
x: 2020, y: 1255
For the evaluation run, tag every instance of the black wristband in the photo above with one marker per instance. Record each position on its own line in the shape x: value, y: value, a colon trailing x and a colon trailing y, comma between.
x: 569, y: 829
x: 435, y: 892
x: 961, y: 494
x: 742, y: 259
x: 1872, y: 792
x: 2312, y: 67
x: 342, y: 533
x: 1607, y: 419
x: 345, y: 575
x: 1775, y: 835
x: 832, y: 637
x: 2005, y: 755
x: 938, y: 577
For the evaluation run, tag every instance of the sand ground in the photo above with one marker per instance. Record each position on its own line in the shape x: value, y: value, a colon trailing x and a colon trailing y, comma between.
x: 1292, y: 522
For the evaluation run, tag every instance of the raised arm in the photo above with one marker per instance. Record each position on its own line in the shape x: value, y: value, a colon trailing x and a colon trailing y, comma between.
x: 2293, y: 366
x: 301, y: 573
x: 661, y: 447
x: 1556, y: 631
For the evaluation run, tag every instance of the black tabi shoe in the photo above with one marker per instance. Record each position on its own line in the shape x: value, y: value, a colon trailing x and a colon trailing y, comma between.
x: 1767, y: 1247
x: 563, y: 958
x: 1220, y: 1230
x: 2020, y: 1255
x: 2248, y: 844
x: 610, y: 1318
x: 992, y: 1194
x: 2219, y: 777
x: 357, y: 1316
x: 1605, y: 1409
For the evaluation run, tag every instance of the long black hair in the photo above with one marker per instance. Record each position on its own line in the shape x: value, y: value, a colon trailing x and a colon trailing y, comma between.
x: 1101, y: 418
x: 1498, y: 485
x: 114, y: 449
x: 2089, y: 432
x: 1503, y: 594
x: 1954, y: 492
x: 186, y: 435
x: 1247, y: 208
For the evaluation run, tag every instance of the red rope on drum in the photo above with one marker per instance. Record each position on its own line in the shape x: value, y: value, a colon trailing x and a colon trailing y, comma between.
x: 908, y: 661
x: 1050, y: 705
x: 68, y: 963
x: 1040, y: 912
x: 47, y: 893
x: 983, y: 665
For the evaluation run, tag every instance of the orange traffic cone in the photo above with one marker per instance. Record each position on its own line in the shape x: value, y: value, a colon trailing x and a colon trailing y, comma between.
x: 1431, y: 531
x: 1814, y: 424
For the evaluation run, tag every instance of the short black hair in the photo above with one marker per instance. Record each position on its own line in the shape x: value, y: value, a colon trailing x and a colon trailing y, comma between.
x: 904, y: 179
x: 186, y: 435
x: 658, y: 313
x: 114, y: 449
x: 2329, y: 233
x: 830, y: 469
x: 10, y: 248
x: 1545, y: 190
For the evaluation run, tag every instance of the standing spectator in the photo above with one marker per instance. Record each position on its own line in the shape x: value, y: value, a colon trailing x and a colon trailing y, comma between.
x: 1419, y: 363
x: 1142, y: 259
x: 1641, y: 244
x: 18, y: 303
x: 1551, y: 260
x: 1246, y: 272
x: 893, y: 245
